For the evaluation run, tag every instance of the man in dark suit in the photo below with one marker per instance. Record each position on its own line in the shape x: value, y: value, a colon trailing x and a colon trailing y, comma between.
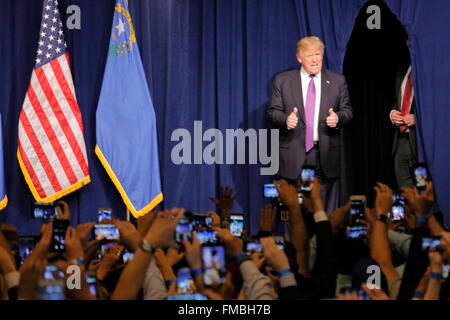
x: 404, y: 148
x: 310, y: 106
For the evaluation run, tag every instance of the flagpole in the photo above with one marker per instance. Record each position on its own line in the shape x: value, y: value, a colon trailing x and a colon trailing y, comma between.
x: 128, y: 215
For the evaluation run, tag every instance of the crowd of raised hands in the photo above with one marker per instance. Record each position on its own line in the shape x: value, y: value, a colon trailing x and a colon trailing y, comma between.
x: 161, y: 256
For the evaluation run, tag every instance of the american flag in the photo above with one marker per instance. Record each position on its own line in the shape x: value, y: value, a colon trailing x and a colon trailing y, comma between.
x: 51, y: 149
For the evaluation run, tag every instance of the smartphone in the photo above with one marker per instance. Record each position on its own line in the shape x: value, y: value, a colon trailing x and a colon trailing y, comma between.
x: 307, y: 177
x: 446, y: 271
x: 279, y: 241
x: 59, y: 235
x: 356, y: 232
x: 26, y: 246
x: 91, y: 280
x: 201, y: 221
x: 126, y: 256
x: 237, y: 224
x: 213, y: 258
x: 52, y: 272
x: 253, y: 246
x: 106, y: 232
x: 270, y: 192
x: 432, y: 244
x: 52, y: 289
x: 398, y: 198
x: 185, y: 283
x: 45, y: 211
x: 104, y: 214
x: 300, y: 198
x: 184, y: 228
x: 357, y: 209
x: 420, y: 175
x: 207, y: 236
x: 195, y: 296
x: 398, y: 213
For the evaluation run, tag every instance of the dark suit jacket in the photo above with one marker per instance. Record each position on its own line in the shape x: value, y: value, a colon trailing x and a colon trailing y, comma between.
x: 398, y: 106
x: 286, y: 95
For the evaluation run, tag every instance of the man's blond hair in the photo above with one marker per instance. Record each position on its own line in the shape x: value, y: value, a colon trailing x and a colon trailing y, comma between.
x: 308, y: 43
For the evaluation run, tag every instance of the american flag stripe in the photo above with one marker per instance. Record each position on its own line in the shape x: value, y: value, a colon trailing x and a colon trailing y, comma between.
x: 60, y: 67
x: 32, y: 143
x: 60, y: 113
x: 37, y: 112
x: 48, y: 120
x: 29, y: 168
x: 79, y: 152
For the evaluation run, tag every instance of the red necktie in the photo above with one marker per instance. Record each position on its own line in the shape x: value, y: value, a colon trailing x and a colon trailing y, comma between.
x: 407, y: 99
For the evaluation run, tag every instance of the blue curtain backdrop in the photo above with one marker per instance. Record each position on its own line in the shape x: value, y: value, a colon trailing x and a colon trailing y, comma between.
x: 210, y: 60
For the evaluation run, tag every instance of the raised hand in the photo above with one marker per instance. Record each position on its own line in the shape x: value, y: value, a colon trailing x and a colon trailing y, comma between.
x: 267, y: 218
x: 420, y: 203
x: 332, y: 118
x: 274, y: 256
x: 128, y: 234
x: 161, y: 233
x: 225, y: 201
x: 74, y: 249
x: 287, y: 193
x: 292, y: 120
x: 383, y: 201
x: 233, y: 244
x: 312, y: 201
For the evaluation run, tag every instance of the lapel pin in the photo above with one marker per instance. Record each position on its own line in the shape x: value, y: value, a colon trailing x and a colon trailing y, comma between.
x: 328, y: 82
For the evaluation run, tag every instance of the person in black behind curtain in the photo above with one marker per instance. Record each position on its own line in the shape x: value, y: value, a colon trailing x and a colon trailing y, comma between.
x: 404, y: 148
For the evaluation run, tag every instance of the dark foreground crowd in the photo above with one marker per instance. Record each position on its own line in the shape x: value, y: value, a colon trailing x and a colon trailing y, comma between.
x: 352, y: 253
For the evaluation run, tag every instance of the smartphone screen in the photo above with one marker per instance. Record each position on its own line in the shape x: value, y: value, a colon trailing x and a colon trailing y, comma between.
x: 446, y: 271
x: 307, y: 176
x: 420, y: 176
x: 237, y: 225
x: 185, y: 283
x: 52, y: 272
x: 357, y: 210
x: 207, y: 236
x: 201, y: 221
x: 280, y: 244
x: 432, y: 243
x: 26, y: 246
x: 213, y: 264
x: 52, y: 290
x: 253, y: 246
x: 398, y: 213
x: 104, y: 214
x: 357, y: 232
x: 127, y: 256
x: 270, y: 192
x: 92, y: 282
x: 184, y: 228
x: 59, y: 235
x: 106, y: 232
x: 45, y: 211
x: 300, y: 198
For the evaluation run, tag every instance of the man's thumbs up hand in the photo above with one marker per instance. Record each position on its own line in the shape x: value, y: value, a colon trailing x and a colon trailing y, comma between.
x: 332, y: 118
x: 292, y: 120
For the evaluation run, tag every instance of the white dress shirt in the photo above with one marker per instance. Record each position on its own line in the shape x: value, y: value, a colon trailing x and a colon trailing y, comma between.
x: 318, y: 84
